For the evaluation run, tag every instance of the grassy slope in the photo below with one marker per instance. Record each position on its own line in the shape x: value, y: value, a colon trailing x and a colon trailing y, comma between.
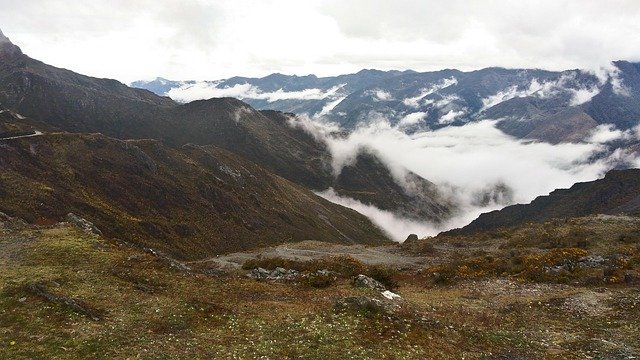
x: 152, y: 310
x: 191, y: 202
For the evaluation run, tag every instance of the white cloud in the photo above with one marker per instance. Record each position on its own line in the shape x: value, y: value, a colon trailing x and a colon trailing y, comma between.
x: 379, y: 95
x: 412, y: 118
x: 207, y: 90
x: 468, y: 161
x: 330, y: 106
x: 606, y: 133
x: 195, y: 39
x: 396, y: 227
x: 583, y: 95
x: 450, y: 116
x: 579, y: 94
x: 415, y: 101
x: 445, y: 101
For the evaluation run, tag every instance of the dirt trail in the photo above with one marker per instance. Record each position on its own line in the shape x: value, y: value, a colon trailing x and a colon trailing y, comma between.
x: 390, y: 255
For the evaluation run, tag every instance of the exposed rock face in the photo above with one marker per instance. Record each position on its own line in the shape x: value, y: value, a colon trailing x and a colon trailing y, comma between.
x: 367, y: 282
x: 12, y: 223
x: 276, y: 274
x: 7, y: 48
x: 617, y: 193
x: 83, y: 224
x: 368, y: 305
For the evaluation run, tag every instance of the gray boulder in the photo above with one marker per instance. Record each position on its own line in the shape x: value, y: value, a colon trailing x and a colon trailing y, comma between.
x: 366, y: 282
x: 83, y: 224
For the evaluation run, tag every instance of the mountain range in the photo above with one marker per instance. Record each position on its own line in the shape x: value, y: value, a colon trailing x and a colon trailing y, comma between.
x: 559, y: 106
x: 219, y: 174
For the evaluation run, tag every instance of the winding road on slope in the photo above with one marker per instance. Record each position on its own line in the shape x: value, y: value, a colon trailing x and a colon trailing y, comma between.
x: 35, y: 133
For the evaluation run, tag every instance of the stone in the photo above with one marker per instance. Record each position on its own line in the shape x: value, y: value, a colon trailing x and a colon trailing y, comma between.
x: 83, y: 224
x: 412, y: 237
x: 632, y: 277
x: 367, y: 282
x: 367, y: 305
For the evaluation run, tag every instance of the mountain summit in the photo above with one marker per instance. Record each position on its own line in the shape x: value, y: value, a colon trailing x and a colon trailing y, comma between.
x: 7, y: 47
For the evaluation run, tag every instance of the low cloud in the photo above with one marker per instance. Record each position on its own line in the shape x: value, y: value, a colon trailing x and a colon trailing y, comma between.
x: 450, y: 116
x: 379, y: 95
x: 476, y: 165
x: 412, y: 118
x: 442, y: 84
x: 567, y: 83
x: 395, y: 226
x: 207, y: 90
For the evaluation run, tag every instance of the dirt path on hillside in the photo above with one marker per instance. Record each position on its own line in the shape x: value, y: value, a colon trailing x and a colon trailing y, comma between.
x: 390, y: 255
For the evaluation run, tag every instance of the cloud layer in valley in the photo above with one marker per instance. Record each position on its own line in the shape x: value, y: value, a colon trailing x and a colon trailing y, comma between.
x: 471, y: 162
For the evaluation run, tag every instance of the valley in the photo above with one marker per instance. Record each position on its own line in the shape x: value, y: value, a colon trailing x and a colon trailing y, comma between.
x: 488, y: 213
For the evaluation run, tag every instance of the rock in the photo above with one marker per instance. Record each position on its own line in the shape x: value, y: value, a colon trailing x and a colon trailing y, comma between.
x: 173, y: 263
x: 367, y: 305
x: 276, y: 274
x: 367, y: 282
x: 632, y: 277
x: 412, y: 237
x: 591, y: 261
x: 8, y: 222
x: 83, y: 224
x: 40, y: 289
x: 391, y: 295
x: 258, y: 273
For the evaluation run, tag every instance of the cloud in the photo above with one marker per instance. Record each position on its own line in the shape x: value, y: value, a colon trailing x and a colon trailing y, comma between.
x: 476, y: 165
x: 330, y: 106
x: 583, y: 95
x: 206, y: 90
x: 396, y: 227
x: 412, y: 118
x: 608, y: 133
x: 450, y: 116
x: 415, y: 101
x: 195, y: 39
x: 566, y: 83
x: 379, y: 95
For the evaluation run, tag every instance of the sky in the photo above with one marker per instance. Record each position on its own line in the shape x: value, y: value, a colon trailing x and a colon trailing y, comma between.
x: 207, y: 40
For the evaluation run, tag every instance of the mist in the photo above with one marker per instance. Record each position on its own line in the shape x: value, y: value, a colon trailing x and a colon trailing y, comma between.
x: 209, y: 89
x: 467, y: 163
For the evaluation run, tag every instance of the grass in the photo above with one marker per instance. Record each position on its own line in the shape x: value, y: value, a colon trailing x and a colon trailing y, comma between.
x: 151, y: 310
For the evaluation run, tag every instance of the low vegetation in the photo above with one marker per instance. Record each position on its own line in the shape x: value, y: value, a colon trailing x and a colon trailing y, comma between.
x: 66, y: 294
x: 344, y: 266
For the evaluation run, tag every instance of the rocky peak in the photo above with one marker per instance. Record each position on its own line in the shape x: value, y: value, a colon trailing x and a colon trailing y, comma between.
x: 7, y: 47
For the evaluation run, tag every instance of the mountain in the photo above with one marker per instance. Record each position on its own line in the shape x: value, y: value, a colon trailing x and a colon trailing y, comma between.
x: 552, y: 106
x: 76, y: 103
x: 190, y: 202
x: 617, y: 193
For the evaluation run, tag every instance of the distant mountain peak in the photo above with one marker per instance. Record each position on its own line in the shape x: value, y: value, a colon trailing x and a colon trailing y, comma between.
x: 7, y: 47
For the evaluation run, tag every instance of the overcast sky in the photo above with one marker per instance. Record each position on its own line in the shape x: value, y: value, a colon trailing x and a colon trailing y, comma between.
x: 206, y: 40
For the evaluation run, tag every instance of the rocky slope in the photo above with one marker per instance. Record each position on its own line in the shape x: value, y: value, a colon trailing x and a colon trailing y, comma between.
x: 77, y: 103
x: 191, y: 202
x: 617, y: 193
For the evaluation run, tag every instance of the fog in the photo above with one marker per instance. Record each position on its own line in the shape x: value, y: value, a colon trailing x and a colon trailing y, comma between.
x: 467, y: 162
x: 209, y: 89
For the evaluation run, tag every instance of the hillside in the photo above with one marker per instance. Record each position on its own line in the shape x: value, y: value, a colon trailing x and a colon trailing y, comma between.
x: 617, y: 193
x: 76, y: 103
x: 66, y: 294
x: 190, y: 202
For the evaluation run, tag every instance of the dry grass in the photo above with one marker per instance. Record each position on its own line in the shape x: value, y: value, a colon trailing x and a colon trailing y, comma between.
x: 154, y: 311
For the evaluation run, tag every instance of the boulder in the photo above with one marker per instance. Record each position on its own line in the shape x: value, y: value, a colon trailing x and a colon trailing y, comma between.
x: 367, y: 282
x: 83, y: 224
x: 367, y: 305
